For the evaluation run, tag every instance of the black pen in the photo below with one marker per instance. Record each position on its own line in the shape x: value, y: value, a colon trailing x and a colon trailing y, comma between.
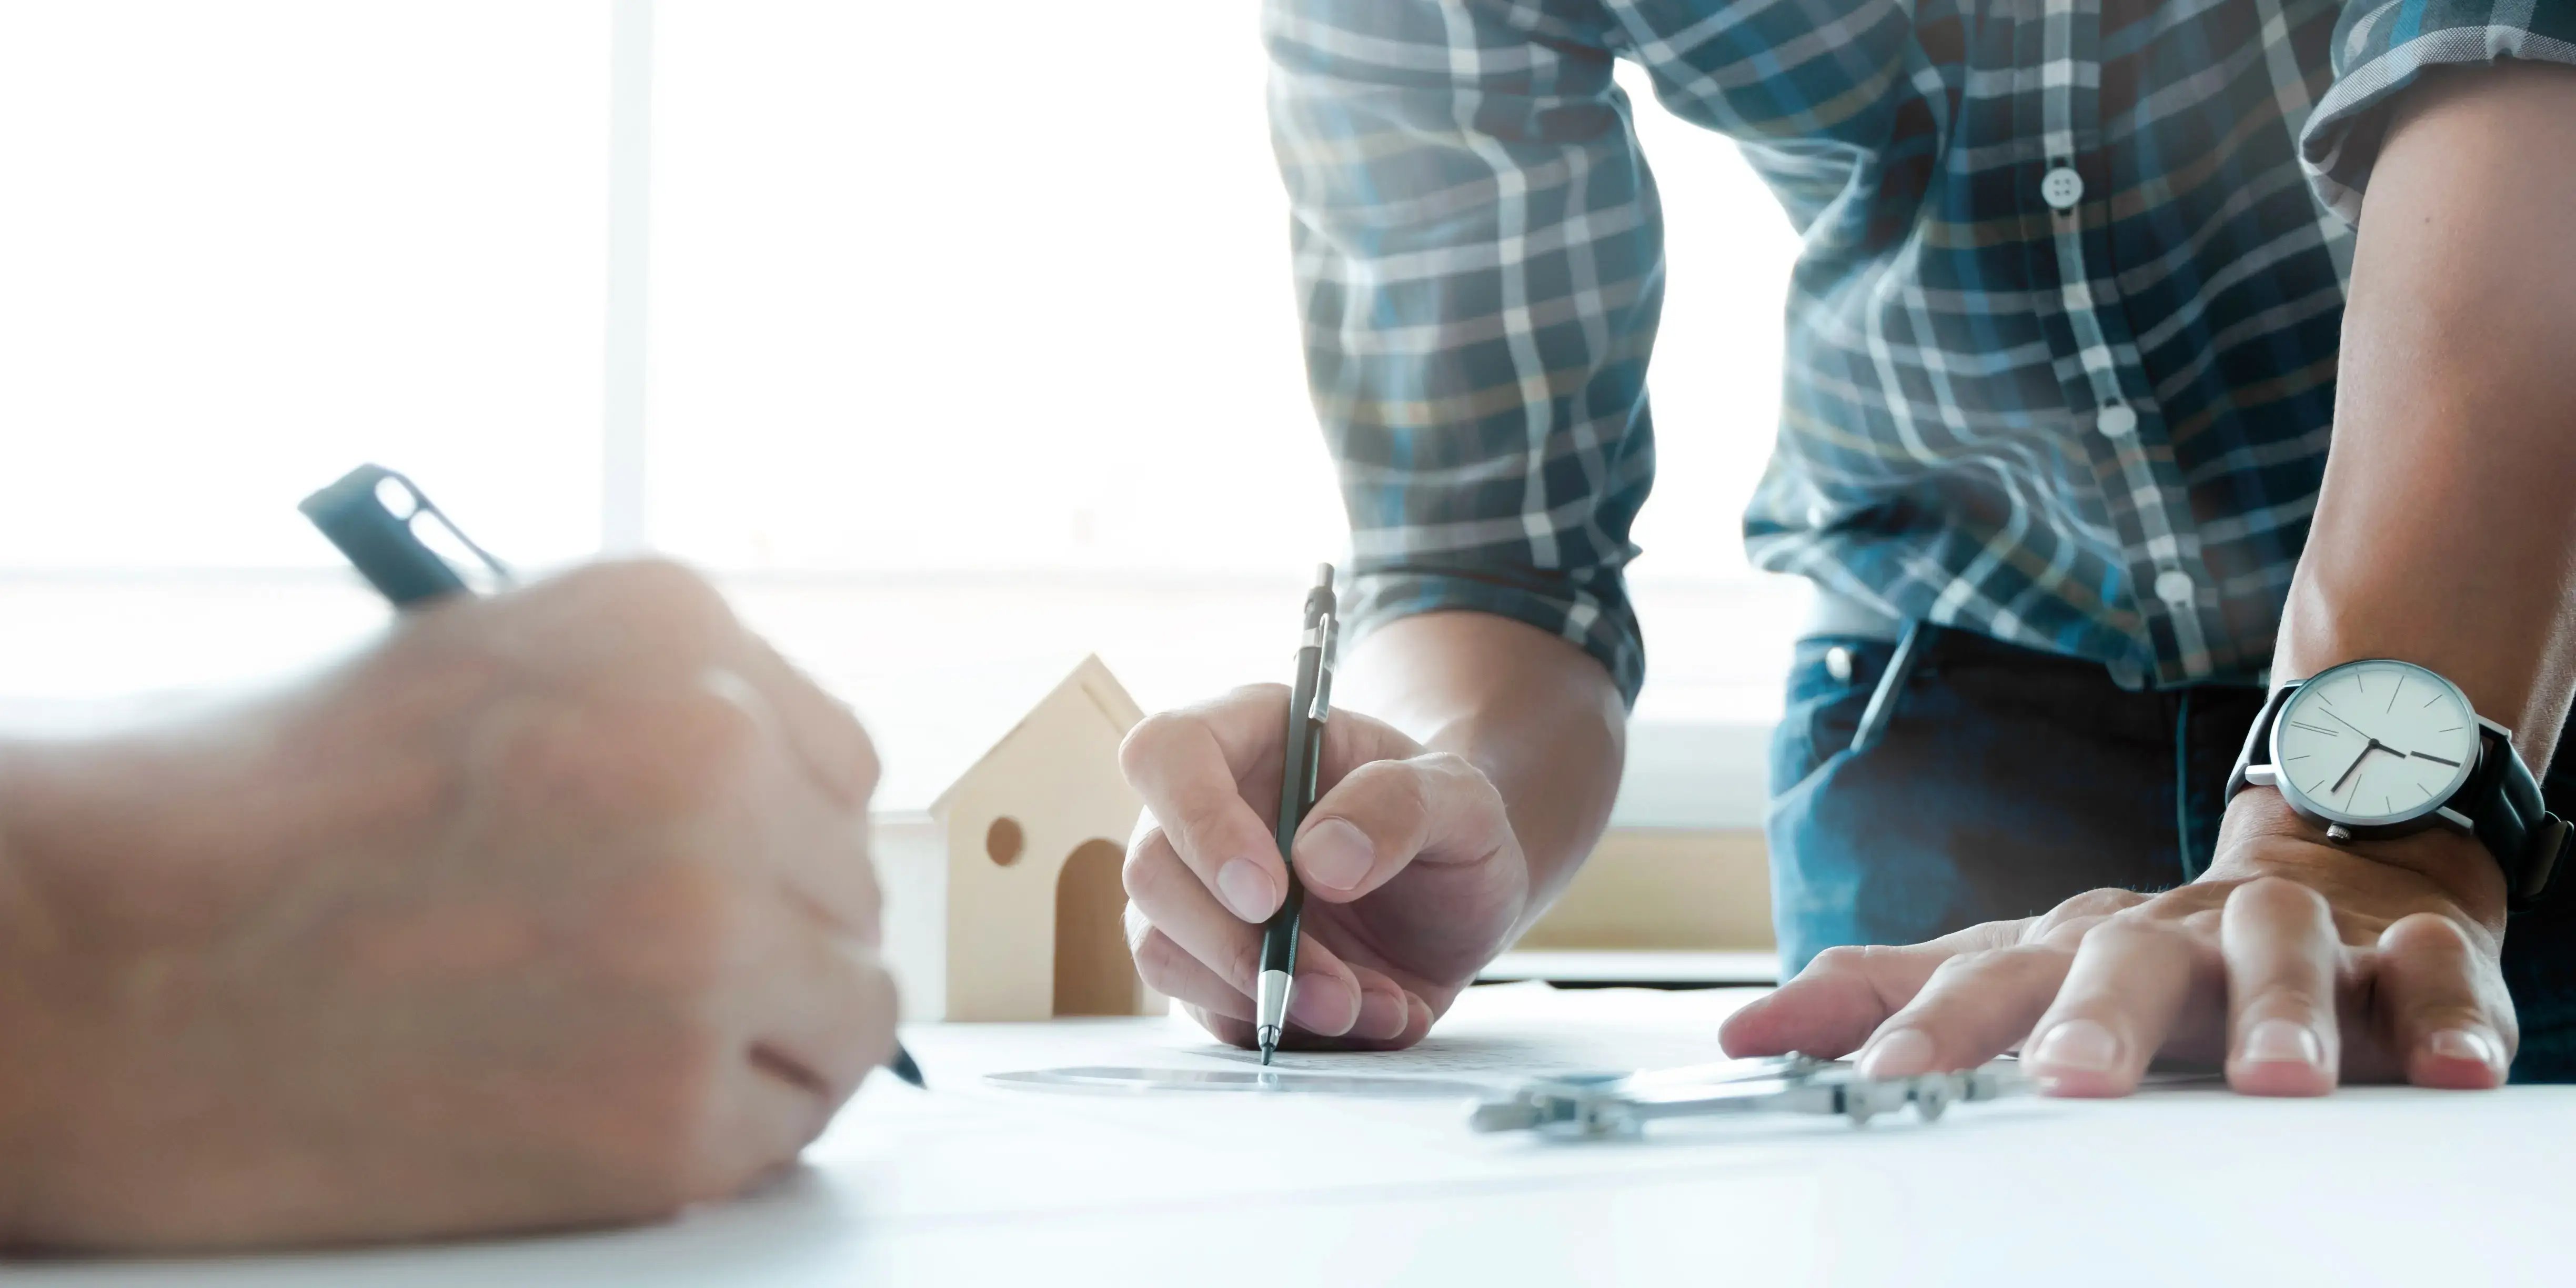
x: 369, y: 514
x: 1308, y: 704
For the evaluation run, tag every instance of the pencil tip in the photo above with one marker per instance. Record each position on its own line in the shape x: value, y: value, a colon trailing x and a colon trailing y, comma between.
x: 905, y: 1068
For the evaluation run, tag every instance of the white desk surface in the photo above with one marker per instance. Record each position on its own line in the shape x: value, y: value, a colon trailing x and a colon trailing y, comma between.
x: 1646, y: 966
x: 971, y: 1184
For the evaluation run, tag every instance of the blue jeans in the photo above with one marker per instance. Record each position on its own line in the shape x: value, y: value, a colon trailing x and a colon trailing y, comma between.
x: 2010, y: 779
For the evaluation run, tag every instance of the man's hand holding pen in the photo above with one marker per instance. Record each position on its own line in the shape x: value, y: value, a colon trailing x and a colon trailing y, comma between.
x: 1413, y: 876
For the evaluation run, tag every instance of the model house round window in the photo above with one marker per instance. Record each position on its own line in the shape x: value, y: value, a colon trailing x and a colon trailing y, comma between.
x: 1003, y: 841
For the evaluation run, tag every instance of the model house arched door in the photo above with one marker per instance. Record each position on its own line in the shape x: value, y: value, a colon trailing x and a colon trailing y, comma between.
x: 1094, y: 975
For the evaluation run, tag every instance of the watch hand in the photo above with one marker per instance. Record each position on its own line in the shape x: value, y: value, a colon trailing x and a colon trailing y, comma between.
x: 2435, y: 759
x: 2347, y: 770
x: 2349, y: 725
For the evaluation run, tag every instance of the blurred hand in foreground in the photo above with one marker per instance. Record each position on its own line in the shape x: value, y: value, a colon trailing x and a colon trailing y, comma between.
x: 551, y: 909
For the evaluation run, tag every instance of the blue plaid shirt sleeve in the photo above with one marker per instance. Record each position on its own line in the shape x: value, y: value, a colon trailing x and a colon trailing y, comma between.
x: 1478, y: 253
x: 2383, y: 46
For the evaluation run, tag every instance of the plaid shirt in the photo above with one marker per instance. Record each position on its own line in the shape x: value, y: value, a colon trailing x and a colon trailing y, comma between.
x: 2061, y: 339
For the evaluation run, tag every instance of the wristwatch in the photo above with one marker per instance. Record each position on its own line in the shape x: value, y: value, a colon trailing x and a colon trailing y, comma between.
x: 2379, y: 748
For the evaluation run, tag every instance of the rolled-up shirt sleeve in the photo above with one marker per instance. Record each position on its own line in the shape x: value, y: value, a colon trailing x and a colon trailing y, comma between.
x: 1479, y: 265
x: 2381, y: 47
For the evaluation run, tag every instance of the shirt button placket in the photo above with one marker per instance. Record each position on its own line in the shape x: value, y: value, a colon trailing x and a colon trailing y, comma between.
x: 2159, y: 547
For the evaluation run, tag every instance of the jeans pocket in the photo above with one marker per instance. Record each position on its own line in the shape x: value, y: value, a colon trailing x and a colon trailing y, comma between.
x: 1824, y: 704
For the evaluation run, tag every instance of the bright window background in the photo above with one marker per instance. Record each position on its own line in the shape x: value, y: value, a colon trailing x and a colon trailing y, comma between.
x: 964, y: 357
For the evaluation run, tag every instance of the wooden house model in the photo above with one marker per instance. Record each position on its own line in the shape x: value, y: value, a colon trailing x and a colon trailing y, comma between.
x: 1004, y: 900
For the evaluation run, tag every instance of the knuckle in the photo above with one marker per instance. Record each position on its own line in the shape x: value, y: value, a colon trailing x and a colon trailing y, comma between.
x: 1461, y: 776
x: 2032, y: 956
x: 1147, y: 838
x: 2425, y: 934
x: 2275, y: 896
x: 1158, y: 961
x: 656, y: 599
x: 2000, y: 963
x: 2127, y: 930
x: 1199, y: 823
x: 703, y: 736
x: 2101, y: 903
x: 1841, y: 959
x: 1151, y: 742
x: 1447, y: 764
x: 1158, y: 973
x: 1393, y: 789
x: 2066, y: 933
x: 1149, y: 869
x: 1242, y: 964
x: 2077, y: 915
x: 1962, y: 966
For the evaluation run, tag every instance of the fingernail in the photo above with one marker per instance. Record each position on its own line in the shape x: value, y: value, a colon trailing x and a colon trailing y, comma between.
x: 2281, y: 1042
x: 1417, y: 1013
x: 1246, y: 889
x: 1317, y: 1005
x: 2464, y: 1044
x: 2077, y: 1046
x: 1900, y: 1054
x: 1334, y: 855
x: 1381, y: 1015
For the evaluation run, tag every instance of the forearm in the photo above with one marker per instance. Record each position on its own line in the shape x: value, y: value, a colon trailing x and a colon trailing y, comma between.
x: 90, y: 831
x: 2445, y: 533
x: 22, y: 1040
x: 1381, y: 154
x: 1538, y: 715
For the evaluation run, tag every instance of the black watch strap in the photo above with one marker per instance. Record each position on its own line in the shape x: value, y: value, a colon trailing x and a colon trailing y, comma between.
x: 2502, y: 802
x: 2504, y: 806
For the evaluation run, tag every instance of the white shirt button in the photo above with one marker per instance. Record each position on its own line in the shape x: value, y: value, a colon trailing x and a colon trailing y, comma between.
x: 2061, y: 187
x: 2117, y: 420
x: 1838, y: 664
x: 2174, y: 586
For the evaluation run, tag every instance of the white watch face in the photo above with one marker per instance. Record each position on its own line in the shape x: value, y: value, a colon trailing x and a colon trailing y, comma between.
x: 2374, y: 742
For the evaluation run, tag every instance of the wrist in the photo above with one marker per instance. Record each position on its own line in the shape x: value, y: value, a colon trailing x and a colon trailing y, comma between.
x: 2261, y: 830
x: 1535, y: 714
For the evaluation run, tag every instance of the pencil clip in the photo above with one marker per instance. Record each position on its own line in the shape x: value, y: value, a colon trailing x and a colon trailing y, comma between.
x: 374, y: 515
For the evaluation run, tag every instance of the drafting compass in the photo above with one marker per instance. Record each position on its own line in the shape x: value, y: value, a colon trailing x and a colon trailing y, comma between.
x: 1620, y: 1104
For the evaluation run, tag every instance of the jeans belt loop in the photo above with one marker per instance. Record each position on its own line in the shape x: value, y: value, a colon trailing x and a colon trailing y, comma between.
x: 1874, y: 718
